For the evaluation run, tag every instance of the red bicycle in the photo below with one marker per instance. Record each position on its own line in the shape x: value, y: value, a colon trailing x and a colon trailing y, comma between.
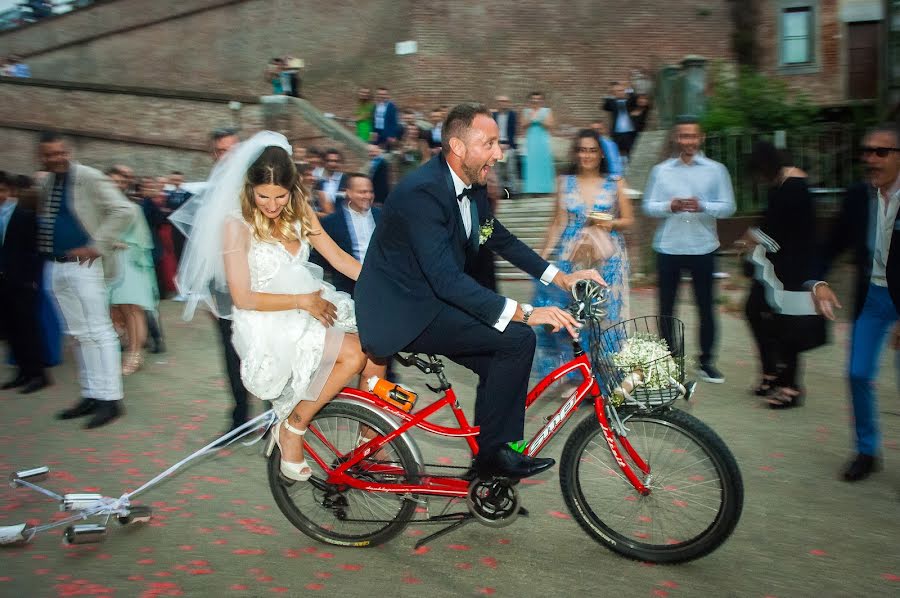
x: 646, y: 480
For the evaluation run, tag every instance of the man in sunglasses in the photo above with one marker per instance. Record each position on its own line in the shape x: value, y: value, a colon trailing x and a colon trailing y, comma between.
x: 869, y: 224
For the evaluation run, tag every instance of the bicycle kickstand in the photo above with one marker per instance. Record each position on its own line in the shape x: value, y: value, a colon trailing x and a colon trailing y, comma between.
x: 458, y: 519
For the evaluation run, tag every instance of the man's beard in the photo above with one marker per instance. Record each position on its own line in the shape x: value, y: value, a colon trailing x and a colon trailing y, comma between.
x: 472, y: 173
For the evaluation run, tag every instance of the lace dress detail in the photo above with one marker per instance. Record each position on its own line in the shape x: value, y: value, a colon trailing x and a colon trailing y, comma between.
x: 286, y: 356
x: 555, y: 349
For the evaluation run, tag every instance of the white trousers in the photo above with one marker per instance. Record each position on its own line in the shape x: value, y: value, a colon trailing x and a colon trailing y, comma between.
x: 80, y: 290
x: 507, y: 174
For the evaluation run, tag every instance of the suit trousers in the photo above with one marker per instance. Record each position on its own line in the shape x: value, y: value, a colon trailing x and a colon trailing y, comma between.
x: 19, y: 321
x: 701, y: 267
x: 502, y: 361
x: 867, y: 341
x: 507, y: 171
x: 239, y: 414
x: 80, y: 291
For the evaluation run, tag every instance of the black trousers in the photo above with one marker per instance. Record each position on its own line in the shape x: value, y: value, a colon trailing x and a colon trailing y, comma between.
x: 502, y: 361
x: 776, y: 357
x: 625, y: 141
x: 241, y: 410
x: 669, y: 269
x: 20, y: 323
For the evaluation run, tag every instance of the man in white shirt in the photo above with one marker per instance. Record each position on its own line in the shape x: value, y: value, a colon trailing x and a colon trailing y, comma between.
x: 689, y: 192
x: 877, y: 230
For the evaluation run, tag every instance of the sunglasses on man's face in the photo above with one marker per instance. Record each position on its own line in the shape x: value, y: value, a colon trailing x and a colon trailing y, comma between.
x: 881, y: 152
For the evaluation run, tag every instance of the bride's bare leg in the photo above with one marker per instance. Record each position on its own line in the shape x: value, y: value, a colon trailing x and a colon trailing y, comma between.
x: 350, y: 361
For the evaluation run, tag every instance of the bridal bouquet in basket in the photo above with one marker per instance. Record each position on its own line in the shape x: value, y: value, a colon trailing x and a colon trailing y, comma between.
x: 648, y: 364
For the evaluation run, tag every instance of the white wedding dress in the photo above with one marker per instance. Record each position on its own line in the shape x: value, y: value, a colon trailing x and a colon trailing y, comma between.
x: 286, y: 356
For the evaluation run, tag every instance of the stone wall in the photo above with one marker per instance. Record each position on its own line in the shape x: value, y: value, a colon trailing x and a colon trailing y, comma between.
x: 466, y: 50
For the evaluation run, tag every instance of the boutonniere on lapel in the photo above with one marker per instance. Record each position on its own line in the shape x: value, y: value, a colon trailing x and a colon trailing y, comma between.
x: 485, y: 231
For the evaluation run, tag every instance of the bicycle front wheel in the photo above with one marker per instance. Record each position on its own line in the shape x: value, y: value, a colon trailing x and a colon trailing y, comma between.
x: 340, y: 515
x: 696, y: 491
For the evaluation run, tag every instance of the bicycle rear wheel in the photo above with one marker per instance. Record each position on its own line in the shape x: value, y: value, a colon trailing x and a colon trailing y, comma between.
x: 339, y: 515
x: 696, y: 491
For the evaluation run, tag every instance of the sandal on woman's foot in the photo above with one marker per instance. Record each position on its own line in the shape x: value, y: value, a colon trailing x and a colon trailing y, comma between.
x: 765, y: 386
x: 298, y: 472
x: 785, y: 398
x: 133, y: 361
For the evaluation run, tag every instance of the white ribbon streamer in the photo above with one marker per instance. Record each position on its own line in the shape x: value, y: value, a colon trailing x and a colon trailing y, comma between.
x: 788, y: 303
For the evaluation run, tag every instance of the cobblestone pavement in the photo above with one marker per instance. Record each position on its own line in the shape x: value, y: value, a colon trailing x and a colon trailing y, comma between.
x: 217, y: 531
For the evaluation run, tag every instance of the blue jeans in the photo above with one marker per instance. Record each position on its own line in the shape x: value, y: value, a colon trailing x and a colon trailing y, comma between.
x: 869, y: 332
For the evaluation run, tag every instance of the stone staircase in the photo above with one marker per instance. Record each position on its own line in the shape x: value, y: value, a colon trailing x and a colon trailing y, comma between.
x: 527, y: 218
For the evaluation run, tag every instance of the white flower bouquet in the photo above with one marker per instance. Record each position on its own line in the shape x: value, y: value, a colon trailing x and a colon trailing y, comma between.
x: 650, y: 369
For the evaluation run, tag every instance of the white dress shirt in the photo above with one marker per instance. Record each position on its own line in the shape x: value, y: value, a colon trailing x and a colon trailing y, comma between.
x: 362, y: 226
x: 884, y: 231
x: 465, y: 212
x: 502, y: 121
x: 380, y: 109
x: 331, y: 185
x: 688, y: 233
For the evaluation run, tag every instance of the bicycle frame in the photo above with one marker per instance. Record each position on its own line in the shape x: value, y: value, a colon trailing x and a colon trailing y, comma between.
x: 458, y: 487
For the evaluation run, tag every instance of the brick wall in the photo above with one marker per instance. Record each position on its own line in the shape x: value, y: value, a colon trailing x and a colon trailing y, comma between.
x: 825, y: 83
x: 467, y: 49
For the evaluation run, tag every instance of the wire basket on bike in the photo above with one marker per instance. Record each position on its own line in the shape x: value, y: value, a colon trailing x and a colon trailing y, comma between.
x: 640, y: 362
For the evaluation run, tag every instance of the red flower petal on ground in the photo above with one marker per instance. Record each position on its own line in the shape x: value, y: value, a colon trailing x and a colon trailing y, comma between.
x: 351, y: 567
x: 489, y: 562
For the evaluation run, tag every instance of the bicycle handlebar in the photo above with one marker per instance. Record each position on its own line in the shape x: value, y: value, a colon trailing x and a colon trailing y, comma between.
x: 590, y: 300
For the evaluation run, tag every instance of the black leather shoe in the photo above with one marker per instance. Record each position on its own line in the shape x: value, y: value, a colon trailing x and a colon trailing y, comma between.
x: 104, y: 412
x: 505, y: 462
x: 861, y: 467
x: 16, y: 382
x: 35, y: 384
x: 84, y: 407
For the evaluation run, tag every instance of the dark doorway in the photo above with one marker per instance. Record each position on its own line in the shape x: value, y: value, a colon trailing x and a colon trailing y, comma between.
x: 862, y: 60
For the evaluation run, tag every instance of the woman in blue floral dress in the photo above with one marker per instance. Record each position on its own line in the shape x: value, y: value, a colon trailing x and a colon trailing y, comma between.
x: 587, y: 197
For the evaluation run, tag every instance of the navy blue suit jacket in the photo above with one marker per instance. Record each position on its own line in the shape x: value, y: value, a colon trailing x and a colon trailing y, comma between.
x: 338, y: 228
x: 854, y: 229
x: 511, y: 127
x: 415, y: 265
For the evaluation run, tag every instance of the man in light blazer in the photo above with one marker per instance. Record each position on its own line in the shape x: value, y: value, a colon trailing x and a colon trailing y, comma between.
x: 82, y: 214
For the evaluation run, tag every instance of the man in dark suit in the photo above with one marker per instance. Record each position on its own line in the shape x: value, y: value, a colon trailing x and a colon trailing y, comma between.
x: 414, y: 295
x: 379, y: 174
x: 623, y: 128
x: 386, y: 123
x: 351, y: 226
x: 505, y: 117
x: 870, y: 225
x: 20, y: 279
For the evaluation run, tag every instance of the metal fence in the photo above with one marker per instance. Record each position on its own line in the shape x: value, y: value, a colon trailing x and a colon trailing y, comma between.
x: 826, y: 152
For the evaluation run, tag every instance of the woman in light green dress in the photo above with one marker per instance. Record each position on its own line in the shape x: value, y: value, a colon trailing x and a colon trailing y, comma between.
x: 135, y: 290
x: 365, y: 112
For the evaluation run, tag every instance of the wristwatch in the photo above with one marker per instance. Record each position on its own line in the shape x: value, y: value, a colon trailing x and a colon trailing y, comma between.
x: 527, y: 310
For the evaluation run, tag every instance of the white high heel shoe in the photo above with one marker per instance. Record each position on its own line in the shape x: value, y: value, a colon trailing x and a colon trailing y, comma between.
x: 292, y: 471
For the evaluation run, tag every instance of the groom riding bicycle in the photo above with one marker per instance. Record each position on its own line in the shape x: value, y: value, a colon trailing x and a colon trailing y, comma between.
x: 432, y: 226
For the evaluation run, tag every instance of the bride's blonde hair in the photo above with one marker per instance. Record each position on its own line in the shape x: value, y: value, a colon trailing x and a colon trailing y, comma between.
x: 274, y: 167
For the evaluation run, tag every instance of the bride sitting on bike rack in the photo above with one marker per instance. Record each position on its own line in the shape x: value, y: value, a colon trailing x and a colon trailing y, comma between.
x: 247, y: 258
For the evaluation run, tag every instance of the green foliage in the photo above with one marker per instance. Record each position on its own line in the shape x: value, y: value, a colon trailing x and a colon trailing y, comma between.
x: 753, y: 101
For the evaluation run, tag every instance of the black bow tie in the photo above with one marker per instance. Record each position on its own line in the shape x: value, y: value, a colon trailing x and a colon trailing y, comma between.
x: 467, y: 192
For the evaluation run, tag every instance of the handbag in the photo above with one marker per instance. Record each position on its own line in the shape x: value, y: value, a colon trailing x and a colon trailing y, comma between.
x: 801, y: 333
x: 592, y: 247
